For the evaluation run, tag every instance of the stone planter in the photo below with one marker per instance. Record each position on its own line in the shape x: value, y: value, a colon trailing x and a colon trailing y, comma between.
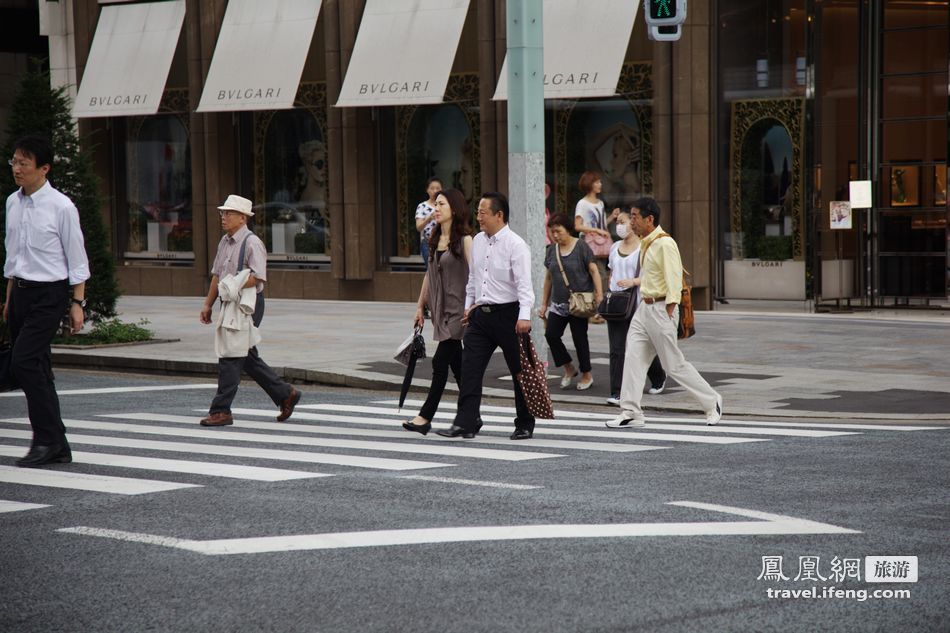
x: 757, y: 279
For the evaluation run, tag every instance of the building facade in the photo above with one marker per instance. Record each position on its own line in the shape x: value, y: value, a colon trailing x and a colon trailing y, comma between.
x: 746, y: 130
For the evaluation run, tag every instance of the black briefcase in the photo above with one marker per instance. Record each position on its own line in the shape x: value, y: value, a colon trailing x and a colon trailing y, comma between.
x: 7, y: 382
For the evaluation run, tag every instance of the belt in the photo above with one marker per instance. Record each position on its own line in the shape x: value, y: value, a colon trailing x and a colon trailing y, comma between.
x: 26, y: 283
x: 652, y: 300
x: 495, y: 307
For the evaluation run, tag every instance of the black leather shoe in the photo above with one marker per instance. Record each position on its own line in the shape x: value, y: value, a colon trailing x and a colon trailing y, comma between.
x: 418, y: 428
x: 522, y: 434
x: 478, y: 424
x: 456, y: 431
x: 41, y: 455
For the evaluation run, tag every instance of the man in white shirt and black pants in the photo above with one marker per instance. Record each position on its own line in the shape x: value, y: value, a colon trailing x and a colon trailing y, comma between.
x: 498, y: 303
x: 45, y: 256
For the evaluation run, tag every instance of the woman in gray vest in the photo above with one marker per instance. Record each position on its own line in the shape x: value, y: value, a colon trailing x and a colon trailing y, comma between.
x: 443, y: 291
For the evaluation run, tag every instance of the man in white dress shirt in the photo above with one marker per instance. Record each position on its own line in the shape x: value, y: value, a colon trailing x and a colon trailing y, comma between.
x: 498, y: 303
x: 45, y: 256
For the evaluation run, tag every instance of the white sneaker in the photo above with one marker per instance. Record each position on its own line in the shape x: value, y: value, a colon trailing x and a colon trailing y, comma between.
x: 713, y: 417
x: 655, y: 391
x: 614, y: 400
x: 584, y: 386
x: 623, y: 422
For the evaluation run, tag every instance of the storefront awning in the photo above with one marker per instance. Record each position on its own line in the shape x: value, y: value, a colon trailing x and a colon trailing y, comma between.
x: 129, y: 60
x: 585, y: 42
x: 404, y: 52
x: 260, y: 55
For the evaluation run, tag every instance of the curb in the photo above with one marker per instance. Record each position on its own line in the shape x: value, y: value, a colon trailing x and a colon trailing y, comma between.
x: 384, y: 382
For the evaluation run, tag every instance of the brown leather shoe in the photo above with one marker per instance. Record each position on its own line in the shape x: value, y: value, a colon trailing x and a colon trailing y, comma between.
x: 221, y: 418
x: 287, y: 406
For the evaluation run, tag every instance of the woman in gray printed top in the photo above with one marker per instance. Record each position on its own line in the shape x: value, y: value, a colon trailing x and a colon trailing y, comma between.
x: 583, y: 276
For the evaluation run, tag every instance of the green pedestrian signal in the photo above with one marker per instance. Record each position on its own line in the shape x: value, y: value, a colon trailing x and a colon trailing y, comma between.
x: 662, y: 9
x: 665, y: 12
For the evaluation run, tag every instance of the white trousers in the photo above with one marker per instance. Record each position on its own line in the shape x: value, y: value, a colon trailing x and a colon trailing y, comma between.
x: 653, y: 332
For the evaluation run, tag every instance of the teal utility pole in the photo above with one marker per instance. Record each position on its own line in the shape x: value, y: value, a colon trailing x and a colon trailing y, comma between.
x: 526, y: 138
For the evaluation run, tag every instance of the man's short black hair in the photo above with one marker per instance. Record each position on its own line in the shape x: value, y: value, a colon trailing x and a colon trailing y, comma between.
x: 498, y: 202
x: 647, y: 206
x: 35, y: 147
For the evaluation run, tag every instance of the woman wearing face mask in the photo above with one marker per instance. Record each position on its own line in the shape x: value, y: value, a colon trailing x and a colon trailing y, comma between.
x: 443, y: 290
x: 583, y: 276
x: 623, y: 263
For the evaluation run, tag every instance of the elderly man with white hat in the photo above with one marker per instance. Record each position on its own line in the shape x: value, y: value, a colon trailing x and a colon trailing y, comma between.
x: 240, y: 243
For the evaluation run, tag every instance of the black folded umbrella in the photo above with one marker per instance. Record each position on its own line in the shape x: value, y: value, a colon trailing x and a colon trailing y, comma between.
x: 415, y: 351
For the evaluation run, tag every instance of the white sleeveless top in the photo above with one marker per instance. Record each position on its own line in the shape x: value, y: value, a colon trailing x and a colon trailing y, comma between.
x: 621, y: 267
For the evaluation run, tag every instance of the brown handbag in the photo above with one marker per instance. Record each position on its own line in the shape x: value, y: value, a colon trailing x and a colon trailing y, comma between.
x: 579, y: 304
x: 534, y: 381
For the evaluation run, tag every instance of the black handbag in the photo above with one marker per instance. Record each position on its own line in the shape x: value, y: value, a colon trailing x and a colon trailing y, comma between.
x: 618, y: 305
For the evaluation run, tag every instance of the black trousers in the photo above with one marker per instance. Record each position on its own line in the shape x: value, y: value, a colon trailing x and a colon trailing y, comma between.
x: 35, y: 316
x: 229, y: 373
x: 617, y: 338
x: 486, y: 332
x: 447, y: 355
x: 555, y: 330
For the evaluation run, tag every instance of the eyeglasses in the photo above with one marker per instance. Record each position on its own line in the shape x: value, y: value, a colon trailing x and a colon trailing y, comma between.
x: 22, y: 164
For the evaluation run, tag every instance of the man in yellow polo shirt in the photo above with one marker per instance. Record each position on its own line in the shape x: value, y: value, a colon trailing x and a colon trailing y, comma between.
x: 653, y: 329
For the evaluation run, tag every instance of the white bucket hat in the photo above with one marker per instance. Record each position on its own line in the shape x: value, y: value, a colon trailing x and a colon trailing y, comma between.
x: 239, y: 204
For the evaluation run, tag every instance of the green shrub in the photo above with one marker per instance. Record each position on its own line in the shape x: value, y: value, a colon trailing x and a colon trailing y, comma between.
x: 109, y: 331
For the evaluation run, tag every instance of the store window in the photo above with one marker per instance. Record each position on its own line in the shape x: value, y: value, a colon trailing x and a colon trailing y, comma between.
x: 438, y: 141
x: 158, y: 171
x: 763, y: 207
x: 613, y: 137
x: 291, y: 216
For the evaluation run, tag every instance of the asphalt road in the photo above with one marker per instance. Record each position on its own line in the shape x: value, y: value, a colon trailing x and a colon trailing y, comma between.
x: 375, y: 548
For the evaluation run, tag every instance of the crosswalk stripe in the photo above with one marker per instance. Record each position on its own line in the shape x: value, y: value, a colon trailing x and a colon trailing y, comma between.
x: 451, y: 406
x: 399, y: 435
x: 354, y: 461
x: 697, y: 427
x: 18, y: 506
x: 539, y: 431
x: 213, y: 469
x: 84, y: 481
x: 103, y: 390
x: 453, y: 450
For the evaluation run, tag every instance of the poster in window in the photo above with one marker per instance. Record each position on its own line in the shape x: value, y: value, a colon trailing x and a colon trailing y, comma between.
x: 905, y: 186
x: 940, y: 185
x: 840, y: 214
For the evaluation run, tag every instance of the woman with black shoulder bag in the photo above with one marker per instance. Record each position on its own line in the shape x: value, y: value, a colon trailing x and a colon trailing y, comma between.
x: 572, y: 291
x: 624, y: 264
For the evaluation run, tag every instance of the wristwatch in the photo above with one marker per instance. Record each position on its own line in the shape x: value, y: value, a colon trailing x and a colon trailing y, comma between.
x: 80, y: 302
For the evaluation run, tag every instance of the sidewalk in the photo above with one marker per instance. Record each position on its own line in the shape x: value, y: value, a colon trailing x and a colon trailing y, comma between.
x: 884, y: 365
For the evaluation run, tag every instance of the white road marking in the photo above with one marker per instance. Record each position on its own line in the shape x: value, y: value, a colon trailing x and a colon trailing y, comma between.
x: 540, y: 431
x: 353, y: 461
x: 399, y: 435
x: 470, y: 482
x: 765, y: 524
x: 451, y: 406
x: 698, y: 426
x: 211, y: 469
x: 453, y: 450
x: 18, y: 506
x: 86, y: 392
x: 83, y: 481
